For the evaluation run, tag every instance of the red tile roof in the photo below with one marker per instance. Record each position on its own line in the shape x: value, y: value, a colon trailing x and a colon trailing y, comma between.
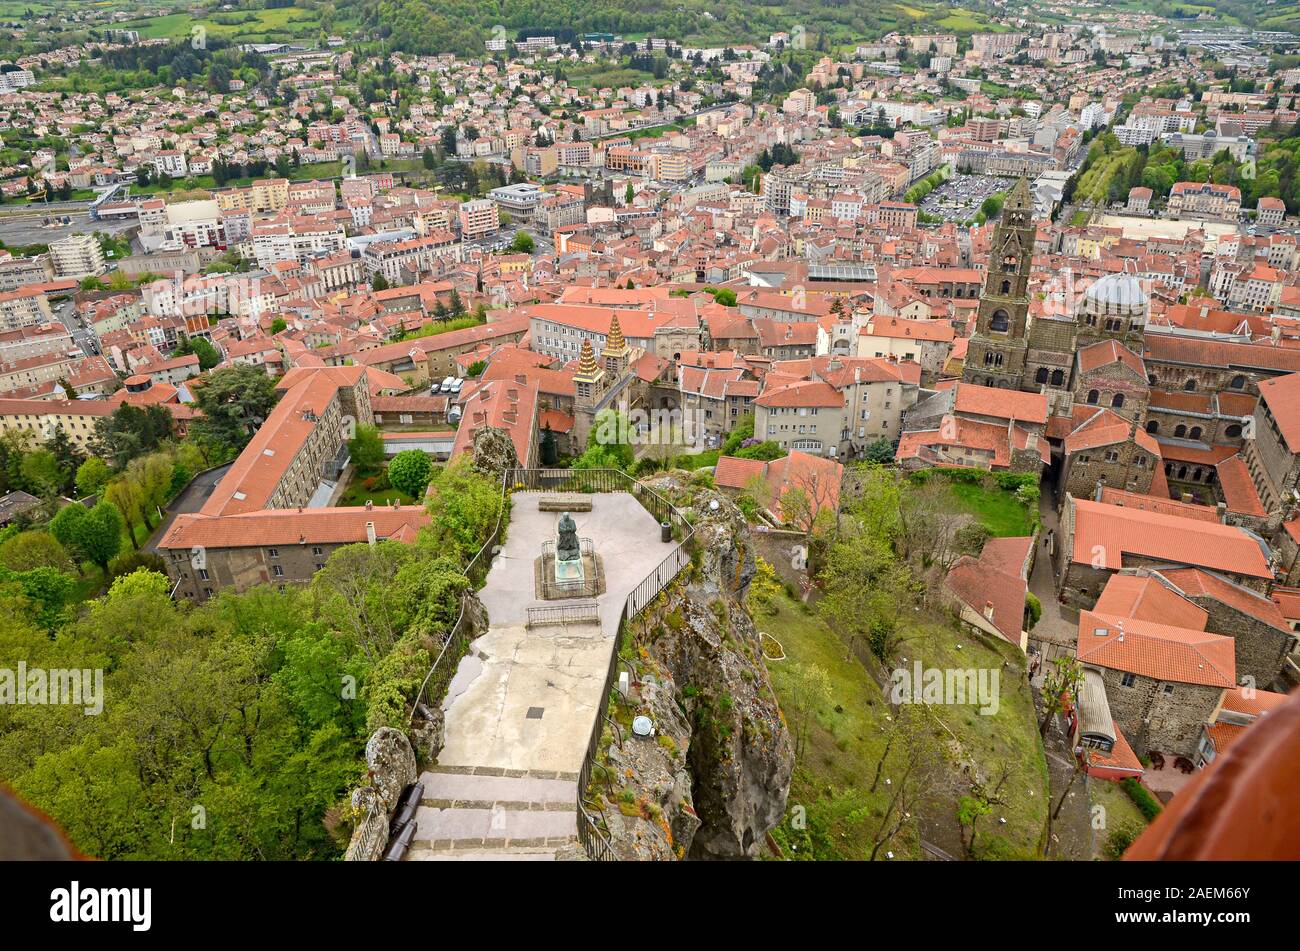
x: 1158, y: 651
x: 292, y: 527
x: 1282, y: 397
x: 1110, y: 532
x: 1196, y: 583
x: 975, y: 400
x: 1147, y: 598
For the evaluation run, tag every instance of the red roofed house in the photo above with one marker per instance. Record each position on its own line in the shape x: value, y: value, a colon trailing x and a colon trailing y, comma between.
x: 817, y: 478
x: 1106, y: 449
x: 1162, y: 682
x: 1272, y: 457
x: 269, y: 520
x: 1097, y: 540
x: 991, y: 588
x: 1241, y: 707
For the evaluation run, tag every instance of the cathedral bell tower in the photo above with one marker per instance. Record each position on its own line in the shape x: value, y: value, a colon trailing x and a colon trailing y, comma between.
x: 998, y: 348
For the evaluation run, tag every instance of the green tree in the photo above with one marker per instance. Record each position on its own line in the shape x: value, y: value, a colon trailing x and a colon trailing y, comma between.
x: 126, y: 495
x: 522, y: 243
x: 92, y: 476
x: 99, y: 534
x: 366, y: 448
x: 42, y: 473
x: 235, y: 401
x: 34, y: 549
x: 409, y: 472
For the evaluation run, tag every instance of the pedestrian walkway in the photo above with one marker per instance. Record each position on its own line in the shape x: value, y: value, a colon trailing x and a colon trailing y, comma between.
x: 522, y: 705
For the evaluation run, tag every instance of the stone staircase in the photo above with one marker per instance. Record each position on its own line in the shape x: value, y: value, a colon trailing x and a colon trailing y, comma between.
x: 484, y: 814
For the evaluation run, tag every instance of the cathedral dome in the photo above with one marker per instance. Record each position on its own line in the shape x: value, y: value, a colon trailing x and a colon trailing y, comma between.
x: 1116, y: 294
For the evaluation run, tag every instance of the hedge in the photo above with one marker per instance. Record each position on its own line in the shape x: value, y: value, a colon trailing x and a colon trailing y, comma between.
x: 1147, y: 804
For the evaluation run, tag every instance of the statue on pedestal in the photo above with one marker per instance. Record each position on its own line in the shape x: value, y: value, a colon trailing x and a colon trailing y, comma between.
x: 567, y: 548
x: 569, y: 570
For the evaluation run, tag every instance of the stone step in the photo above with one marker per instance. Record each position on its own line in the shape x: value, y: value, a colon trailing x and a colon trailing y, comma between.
x: 496, y: 828
x: 481, y: 855
x: 473, y: 790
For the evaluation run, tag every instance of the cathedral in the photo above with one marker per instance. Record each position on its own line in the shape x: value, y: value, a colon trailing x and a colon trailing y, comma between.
x: 1059, y: 356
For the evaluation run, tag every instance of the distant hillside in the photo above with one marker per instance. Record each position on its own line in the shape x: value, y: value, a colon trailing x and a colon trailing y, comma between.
x: 462, y: 26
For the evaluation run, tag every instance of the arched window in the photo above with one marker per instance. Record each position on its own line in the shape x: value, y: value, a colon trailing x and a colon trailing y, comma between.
x: 1190, y: 385
x: 988, y: 358
x: 1093, y: 397
x: 1233, y: 431
x: 1153, y: 426
x: 1117, y: 401
x: 1196, y: 474
x: 1041, y: 375
x: 1151, y: 379
x: 1239, y: 382
x: 1001, y: 322
x: 1180, y: 431
x: 1006, y: 288
x: 1195, y: 433
x: 1009, y: 263
x: 1058, y: 377
x: 1182, y: 472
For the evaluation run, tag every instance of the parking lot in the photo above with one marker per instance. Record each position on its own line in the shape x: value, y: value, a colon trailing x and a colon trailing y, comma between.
x: 960, y: 197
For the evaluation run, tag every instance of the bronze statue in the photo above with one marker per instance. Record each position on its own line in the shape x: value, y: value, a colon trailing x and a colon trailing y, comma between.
x: 567, y: 548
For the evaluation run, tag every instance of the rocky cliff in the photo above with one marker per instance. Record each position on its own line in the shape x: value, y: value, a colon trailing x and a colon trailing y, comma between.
x: 714, y: 779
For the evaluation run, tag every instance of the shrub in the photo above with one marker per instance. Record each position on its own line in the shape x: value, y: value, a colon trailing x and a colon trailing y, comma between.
x: 1121, y: 838
x: 1033, y: 610
x: 1147, y: 804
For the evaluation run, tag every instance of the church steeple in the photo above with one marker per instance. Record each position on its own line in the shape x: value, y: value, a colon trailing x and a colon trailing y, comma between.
x: 998, y: 349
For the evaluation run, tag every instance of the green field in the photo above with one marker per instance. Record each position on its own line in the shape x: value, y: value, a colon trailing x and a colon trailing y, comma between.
x: 998, y: 510
x: 242, y: 26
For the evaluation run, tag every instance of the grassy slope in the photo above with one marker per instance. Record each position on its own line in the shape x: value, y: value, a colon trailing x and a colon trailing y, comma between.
x: 1119, y: 809
x: 847, y: 739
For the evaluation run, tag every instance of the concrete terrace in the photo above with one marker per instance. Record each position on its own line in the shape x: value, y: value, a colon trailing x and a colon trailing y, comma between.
x: 522, y: 704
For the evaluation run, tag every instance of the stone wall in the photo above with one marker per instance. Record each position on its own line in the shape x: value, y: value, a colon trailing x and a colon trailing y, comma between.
x: 1260, y: 648
x: 1160, y: 715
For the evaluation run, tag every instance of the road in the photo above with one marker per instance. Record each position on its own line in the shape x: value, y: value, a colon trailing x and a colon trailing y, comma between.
x: 21, y: 230
x: 82, y: 335
x: 190, y: 500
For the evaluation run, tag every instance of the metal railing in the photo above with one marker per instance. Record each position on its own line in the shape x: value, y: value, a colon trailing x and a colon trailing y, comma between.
x: 475, y: 572
x: 594, y: 841
x: 584, y: 612
x: 375, y: 836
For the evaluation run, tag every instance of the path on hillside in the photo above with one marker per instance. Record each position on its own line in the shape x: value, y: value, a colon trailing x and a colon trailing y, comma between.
x: 521, y: 707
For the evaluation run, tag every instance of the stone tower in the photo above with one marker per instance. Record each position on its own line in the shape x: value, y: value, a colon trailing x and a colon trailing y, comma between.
x: 616, y: 353
x: 998, y: 348
x: 589, y: 380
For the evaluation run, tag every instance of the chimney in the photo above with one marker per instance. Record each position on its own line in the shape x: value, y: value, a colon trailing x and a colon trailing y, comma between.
x: 1187, y: 497
x: 369, y: 504
x: 370, y: 533
x: 397, y: 503
x: 1222, y: 509
x: 988, y: 610
x: 1101, y: 484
